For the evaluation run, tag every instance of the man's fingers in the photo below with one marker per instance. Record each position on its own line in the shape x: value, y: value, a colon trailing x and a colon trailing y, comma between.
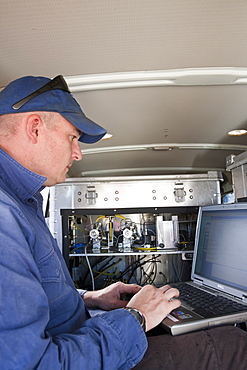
x: 172, y: 293
x: 169, y: 291
x: 164, y: 288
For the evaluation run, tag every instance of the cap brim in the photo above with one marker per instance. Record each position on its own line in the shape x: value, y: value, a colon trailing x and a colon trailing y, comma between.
x: 91, y: 131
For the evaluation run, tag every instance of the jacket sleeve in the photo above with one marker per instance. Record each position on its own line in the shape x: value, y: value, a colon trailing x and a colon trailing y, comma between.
x: 112, y: 340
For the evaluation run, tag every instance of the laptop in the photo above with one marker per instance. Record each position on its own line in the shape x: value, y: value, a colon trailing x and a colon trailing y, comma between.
x: 219, y: 269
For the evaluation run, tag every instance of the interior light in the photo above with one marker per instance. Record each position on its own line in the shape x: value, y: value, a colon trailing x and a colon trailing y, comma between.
x: 237, y: 132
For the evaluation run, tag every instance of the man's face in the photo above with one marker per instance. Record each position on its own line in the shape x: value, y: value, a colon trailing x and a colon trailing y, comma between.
x: 60, y: 150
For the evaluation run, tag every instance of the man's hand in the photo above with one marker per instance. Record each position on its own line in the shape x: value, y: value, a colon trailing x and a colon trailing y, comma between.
x: 155, y: 303
x: 111, y: 297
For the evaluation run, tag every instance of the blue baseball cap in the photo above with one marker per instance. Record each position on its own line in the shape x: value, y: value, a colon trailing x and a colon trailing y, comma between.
x: 34, y: 94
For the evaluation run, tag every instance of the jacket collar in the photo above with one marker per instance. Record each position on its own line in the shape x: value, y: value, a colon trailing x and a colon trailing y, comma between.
x: 24, y: 183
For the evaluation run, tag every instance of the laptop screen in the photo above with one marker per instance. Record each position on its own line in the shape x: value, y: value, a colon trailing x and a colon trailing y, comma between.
x: 221, y: 246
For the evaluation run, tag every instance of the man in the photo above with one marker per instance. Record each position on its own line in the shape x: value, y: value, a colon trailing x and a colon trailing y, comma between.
x: 44, y: 322
x: 43, y: 318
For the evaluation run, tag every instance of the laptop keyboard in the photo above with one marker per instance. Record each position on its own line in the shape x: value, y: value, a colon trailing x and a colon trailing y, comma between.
x: 206, y: 304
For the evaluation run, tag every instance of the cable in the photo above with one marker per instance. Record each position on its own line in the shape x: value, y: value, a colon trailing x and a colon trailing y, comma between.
x: 130, y: 267
x: 97, y: 261
x: 99, y: 218
x: 139, y: 264
x: 90, y: 269
x: 176, y: 268
x: 148, y: 278
x: 146, y: 249
x: 108, y: 260
x: 104, y: 273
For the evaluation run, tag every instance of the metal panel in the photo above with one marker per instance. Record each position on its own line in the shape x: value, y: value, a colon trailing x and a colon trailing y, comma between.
x: 132, y: 193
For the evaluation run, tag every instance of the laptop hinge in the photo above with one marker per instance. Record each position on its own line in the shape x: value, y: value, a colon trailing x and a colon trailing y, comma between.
x: 198, y: 281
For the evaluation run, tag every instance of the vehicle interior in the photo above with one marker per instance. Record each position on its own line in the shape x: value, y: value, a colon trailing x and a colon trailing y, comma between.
x: 168, y: 80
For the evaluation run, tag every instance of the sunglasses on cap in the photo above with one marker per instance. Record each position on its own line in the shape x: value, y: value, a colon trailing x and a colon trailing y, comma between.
x: 57, y: 83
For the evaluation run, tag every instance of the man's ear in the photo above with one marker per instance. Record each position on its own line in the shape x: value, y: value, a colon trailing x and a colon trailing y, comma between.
x: 34, y: 125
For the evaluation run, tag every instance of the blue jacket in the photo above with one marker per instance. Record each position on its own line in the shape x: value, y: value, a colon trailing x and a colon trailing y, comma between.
x: 44, y: 323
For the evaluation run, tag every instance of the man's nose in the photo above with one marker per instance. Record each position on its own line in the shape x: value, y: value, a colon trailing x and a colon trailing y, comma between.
x: 77, y: 155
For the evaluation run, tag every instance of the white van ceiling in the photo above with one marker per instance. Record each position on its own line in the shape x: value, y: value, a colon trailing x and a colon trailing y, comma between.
x: 167, y: 78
